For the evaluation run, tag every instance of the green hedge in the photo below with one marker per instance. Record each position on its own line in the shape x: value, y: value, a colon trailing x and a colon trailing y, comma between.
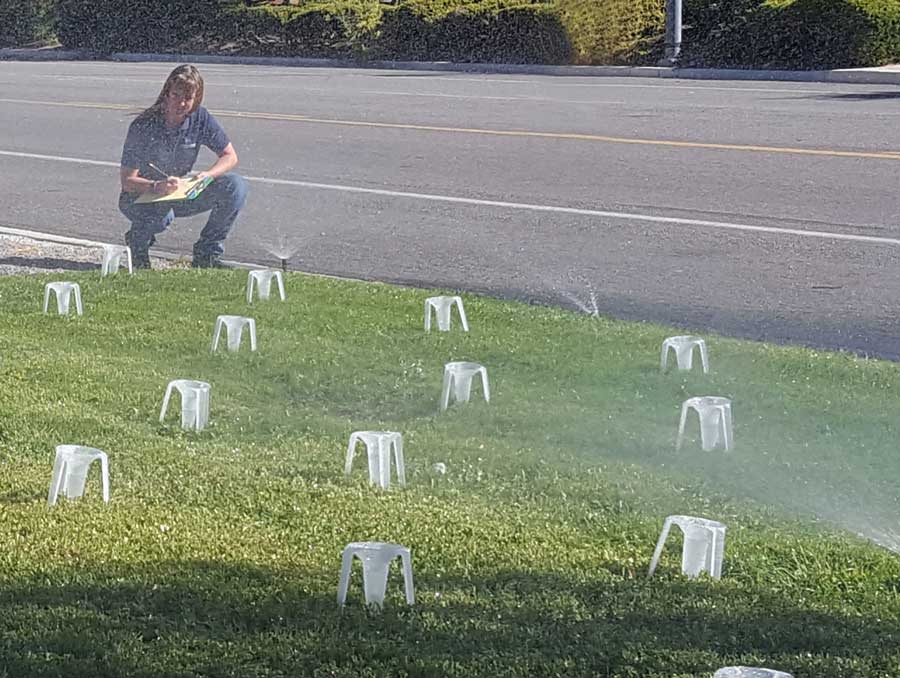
x: 493, y: 31
x: 787, y: 34
x: 24, y: 22
x: 792, y: 34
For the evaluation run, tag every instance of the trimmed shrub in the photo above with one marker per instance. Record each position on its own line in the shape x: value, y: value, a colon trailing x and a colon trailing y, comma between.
x: 474, y: 33
x: 24, y: 22
x: 334, y: 29
x: 791, y: 34
x: 343, y: 28
x: 256, y: 30
x: 80, y: 21
x: 137, y: 25
x: 614, y: 31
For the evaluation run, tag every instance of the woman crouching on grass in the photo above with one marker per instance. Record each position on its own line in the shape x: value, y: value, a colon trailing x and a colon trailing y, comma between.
x: 162, y: 145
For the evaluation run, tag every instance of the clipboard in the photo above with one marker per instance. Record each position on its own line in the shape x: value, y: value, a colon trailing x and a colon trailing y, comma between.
x: 188, y: 189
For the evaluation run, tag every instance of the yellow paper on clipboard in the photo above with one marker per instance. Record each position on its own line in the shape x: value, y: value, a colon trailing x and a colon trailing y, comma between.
x: 188, y: 189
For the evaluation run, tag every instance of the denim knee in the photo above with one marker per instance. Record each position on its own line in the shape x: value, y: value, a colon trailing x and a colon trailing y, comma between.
x: 153, y: 218
x: 233, y: 190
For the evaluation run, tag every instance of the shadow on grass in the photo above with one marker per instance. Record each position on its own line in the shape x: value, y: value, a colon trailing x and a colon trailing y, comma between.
x: 49, y: 263
x: 866, y: 334
x: 20, y: 497
x: 218, y: 619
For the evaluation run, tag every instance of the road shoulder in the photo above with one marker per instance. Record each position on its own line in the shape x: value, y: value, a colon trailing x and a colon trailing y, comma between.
x: 881, y: 75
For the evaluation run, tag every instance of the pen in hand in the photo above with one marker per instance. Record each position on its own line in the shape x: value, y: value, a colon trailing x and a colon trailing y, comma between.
x: 171, y: 182
x: 157, y: 170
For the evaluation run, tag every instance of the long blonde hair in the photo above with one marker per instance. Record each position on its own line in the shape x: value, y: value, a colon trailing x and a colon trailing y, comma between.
x: 184, y: 77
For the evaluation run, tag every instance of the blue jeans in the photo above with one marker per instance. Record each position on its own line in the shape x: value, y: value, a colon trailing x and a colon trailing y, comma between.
x: 223, y: 199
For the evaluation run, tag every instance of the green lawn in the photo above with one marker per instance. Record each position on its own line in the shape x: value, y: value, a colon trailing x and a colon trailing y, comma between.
x: 219, y: 552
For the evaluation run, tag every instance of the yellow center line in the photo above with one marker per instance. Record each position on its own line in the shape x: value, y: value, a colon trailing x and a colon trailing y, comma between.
x: 73, y: 104
x: 289, y: 117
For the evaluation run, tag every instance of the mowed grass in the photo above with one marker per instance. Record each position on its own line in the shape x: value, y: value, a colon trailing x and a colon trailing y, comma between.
x: 219, y: 552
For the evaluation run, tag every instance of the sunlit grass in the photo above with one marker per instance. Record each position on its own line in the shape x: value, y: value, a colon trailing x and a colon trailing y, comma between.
x: 219, y: 552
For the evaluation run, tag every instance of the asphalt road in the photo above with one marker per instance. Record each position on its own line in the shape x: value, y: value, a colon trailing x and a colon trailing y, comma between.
x: 763, y: 210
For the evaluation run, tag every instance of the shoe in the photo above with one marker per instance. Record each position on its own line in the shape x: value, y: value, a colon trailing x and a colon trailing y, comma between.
x: 140, y: 260
x: 209, y: 261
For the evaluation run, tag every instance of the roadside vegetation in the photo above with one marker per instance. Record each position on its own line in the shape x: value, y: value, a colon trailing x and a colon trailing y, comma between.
x: 219, y: 552
x: 788, y: 34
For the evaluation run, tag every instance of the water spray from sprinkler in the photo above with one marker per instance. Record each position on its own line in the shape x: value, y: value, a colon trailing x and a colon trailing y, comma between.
x: 579, y: 290
x: 589, y: 306
x: 283, y: 249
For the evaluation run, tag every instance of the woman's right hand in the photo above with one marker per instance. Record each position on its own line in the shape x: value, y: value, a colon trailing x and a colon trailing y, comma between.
x: 166, y: 187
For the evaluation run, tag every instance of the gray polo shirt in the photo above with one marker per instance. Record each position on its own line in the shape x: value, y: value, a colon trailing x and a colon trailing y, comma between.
x: 174, y: 151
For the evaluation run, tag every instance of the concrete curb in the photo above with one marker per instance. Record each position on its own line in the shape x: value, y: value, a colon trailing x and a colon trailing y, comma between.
x: 41, y: 236
x: 50, y: 237
x: 885, y: 75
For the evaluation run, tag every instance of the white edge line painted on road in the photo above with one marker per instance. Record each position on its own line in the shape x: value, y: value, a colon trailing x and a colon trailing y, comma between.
x: 686, y: 84
x: 683, y: 84
x: 585, y: 212
x: 688, y: 88
x: 59, y: 158
x: 556, y: 209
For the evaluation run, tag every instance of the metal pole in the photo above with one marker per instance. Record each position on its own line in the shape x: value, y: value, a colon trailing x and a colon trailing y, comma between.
x: 673, y: 33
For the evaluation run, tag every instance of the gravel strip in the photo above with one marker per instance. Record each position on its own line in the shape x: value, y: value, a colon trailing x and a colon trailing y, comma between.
x: 21, y: 255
